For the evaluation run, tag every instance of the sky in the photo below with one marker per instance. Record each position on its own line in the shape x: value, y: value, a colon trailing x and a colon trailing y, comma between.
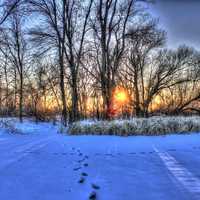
x: 181, y: 20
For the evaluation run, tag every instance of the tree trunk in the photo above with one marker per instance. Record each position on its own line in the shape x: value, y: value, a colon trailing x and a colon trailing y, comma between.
x: 137, y: 97
x: 107, y: 107
x: 21, y: 99
x: 74, y: 116
x: 62, y: 89
x: 35, y: 111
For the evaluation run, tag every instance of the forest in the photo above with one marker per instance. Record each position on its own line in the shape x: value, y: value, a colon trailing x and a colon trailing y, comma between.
x: 100, y: 59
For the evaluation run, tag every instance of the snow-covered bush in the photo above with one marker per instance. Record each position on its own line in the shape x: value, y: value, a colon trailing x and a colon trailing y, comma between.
x: 8, y: 126
x: 138, y: 126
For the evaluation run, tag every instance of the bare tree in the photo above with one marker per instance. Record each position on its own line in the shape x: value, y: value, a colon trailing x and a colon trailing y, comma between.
x: 110, y: 23
x: 169, y: 67
x: 65, y: 27
x: 7, y: 8
x: 13, y: 41
x: 143, y: 39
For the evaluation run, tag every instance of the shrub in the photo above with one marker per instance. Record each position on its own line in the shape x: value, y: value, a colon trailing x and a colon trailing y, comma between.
x: 138, y: 126
x: 8, y: 126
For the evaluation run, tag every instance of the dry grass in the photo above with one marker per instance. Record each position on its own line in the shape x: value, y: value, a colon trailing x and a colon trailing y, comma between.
x: 138, y: 126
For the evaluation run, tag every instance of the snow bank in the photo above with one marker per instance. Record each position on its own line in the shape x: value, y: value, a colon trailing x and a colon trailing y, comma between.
x: 137, y: 126
x: 9, y: 126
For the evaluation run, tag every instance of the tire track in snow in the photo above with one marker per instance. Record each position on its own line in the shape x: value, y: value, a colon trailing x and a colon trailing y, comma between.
x: 28, y: 147
x: 190, y: 182
x: 24, y: 151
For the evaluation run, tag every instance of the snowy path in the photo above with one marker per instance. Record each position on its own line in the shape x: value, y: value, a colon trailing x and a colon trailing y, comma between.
x: 49, y: 166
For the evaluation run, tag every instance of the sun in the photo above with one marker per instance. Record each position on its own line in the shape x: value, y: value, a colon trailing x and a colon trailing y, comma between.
x: 120, y: 96
x: 119, y: 101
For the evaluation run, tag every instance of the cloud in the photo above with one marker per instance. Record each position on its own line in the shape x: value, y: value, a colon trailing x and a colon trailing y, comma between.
x: 180, y: 18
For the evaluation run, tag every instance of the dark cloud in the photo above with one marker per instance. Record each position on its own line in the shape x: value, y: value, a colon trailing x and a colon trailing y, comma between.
x: 181, y: 20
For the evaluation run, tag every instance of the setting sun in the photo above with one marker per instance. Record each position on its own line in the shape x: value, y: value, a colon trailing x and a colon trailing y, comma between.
x: 120, y: 99
x: 120, y: 95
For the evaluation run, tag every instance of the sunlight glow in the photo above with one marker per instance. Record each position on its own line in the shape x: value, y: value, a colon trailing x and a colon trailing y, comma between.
x: 120, y: 96
x: 119, y: 102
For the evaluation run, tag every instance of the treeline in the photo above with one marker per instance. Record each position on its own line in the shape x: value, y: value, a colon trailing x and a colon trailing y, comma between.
x: 66, y: 57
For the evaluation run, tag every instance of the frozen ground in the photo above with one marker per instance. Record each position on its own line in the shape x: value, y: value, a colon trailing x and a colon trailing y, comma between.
x: 43, y: 165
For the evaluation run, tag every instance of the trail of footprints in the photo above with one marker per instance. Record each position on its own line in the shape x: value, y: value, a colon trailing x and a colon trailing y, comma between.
x: 83, y: 163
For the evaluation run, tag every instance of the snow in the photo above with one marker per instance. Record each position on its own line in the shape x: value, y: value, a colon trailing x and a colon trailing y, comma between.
x: 44, y: 165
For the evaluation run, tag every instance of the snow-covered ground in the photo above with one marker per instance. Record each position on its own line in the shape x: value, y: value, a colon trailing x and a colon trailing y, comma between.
x: 41, y: 164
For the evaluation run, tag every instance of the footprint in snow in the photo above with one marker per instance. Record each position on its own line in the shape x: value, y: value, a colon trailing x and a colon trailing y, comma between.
x: 85, y: 164
x: 93, y: 196
x: 84, y: 174
x: 94, y: 186
x: 77, y: 168
x: 80, y: 161
x: 78, y: 150
x: 81, y: 180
